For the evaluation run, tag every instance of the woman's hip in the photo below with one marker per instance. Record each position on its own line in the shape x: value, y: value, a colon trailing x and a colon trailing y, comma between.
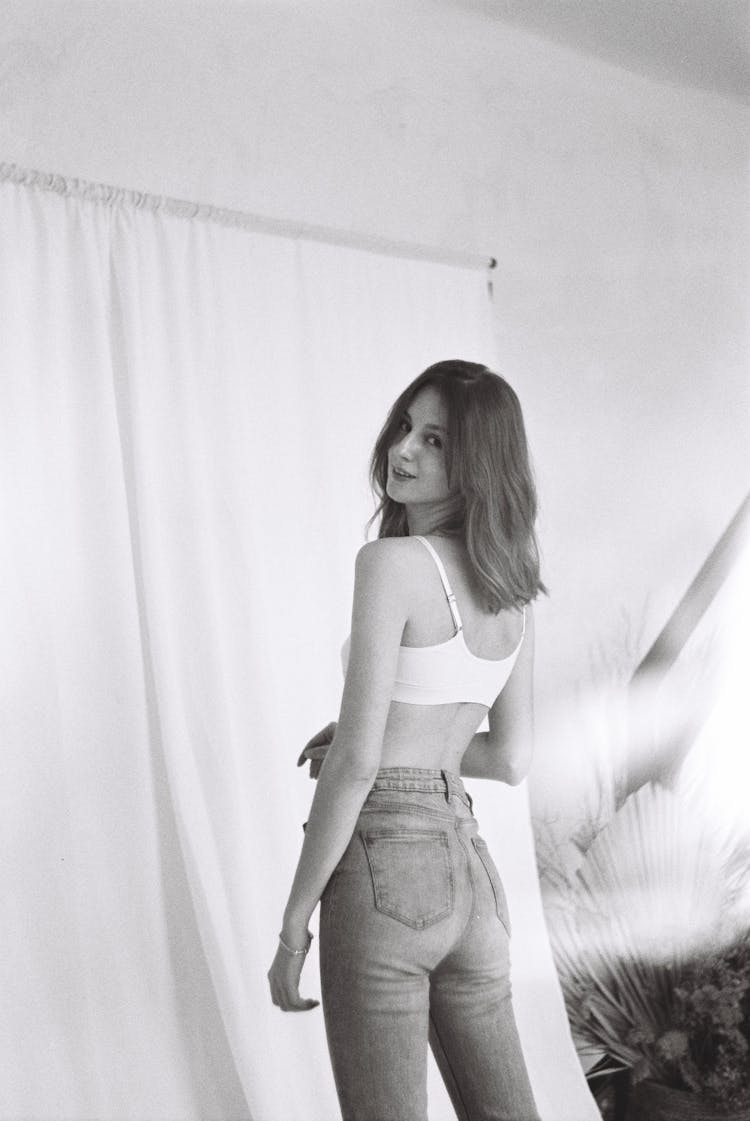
x: 402, y: 890
x: 415, y: 875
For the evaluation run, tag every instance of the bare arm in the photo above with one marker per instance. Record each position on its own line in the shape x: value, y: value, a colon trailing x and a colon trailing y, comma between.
x: 504, y: 753
x: 378, y: 618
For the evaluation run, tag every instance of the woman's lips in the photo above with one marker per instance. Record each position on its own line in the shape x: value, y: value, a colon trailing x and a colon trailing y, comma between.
x: 402, y: 477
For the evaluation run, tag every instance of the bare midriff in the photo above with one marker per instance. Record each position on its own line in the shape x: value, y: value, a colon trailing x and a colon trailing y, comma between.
x: 432, y: 736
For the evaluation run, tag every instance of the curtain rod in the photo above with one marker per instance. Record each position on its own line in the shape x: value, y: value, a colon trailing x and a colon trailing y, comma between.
x: 179, y: 208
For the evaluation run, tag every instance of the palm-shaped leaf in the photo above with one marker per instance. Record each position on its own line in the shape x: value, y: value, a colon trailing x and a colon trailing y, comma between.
x: 651, y: 895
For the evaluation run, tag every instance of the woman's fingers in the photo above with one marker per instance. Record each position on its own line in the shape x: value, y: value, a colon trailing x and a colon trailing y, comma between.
x: 283, y: 977
x: 315, y: 757
x: 309, y: 753
x: 325, y: 735
x: 291, y: 1001
x: 320, y: 739
x: 299, y: 1004
x: 314, y: 752
x: 317, y: 752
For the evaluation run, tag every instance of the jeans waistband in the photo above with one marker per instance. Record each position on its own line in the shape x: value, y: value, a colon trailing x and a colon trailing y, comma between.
x: 423, y: 780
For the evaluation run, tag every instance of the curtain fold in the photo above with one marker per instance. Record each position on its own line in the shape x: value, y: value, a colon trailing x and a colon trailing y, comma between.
x: 187, y: 414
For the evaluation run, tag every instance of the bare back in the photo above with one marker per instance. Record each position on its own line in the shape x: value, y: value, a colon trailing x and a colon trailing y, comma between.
x: 437, y: 735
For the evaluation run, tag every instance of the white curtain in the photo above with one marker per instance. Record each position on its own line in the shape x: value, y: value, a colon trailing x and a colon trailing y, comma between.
x: 186, y: 415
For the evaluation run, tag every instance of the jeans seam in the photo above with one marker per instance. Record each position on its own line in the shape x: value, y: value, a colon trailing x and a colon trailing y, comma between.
x: 407, y: 807
x: 505, y: 921
x: 330, y: 901
x: 449, y: 1064
x: 472, y: 909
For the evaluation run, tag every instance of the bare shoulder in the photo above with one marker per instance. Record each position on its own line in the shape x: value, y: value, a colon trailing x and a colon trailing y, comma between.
x: 389, y: 556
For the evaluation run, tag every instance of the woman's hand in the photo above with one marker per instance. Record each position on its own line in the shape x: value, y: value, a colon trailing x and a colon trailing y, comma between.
x: 283, y: 977
x: 315, y: 749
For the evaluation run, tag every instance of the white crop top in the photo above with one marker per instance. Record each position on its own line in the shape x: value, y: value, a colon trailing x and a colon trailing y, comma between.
x: 448, y: 672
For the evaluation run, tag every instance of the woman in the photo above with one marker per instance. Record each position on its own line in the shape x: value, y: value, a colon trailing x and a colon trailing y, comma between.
x: 414, y: 928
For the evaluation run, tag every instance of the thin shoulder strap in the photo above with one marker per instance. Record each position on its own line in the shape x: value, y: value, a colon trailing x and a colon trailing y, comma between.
x: 445, y: 582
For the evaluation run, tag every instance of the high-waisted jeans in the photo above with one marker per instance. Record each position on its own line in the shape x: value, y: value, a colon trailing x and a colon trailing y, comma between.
x: 414, y: 934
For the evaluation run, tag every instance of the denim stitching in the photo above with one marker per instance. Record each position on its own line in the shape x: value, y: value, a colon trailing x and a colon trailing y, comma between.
x: 328, y: 898
x: 375, y: 807
x: 472, y: 909
x: 381, y: 792
x: 425, y: 920
x: 501, y: 903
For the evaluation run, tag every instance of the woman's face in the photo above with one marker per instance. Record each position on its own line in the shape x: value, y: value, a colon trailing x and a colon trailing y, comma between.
x: 417, y: 468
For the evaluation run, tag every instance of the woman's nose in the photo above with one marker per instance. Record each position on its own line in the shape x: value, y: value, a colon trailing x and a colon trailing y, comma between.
x: 406, y: 445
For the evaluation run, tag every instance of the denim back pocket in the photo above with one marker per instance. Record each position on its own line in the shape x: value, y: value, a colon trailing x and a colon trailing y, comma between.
x: 501, y: 904
x: 411, y: 874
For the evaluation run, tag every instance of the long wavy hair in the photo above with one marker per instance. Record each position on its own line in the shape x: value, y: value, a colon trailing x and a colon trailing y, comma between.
x: 489, y: 474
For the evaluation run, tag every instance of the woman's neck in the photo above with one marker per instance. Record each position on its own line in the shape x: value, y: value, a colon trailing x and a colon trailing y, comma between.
x: 426, y: 518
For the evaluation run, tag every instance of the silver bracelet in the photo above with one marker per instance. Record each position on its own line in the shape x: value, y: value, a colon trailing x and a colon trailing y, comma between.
x: 296, y: 953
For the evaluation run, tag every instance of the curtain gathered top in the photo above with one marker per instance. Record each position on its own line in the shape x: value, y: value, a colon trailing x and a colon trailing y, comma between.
x: 109, y: 195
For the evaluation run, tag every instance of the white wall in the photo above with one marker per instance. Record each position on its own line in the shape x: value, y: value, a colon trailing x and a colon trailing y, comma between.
x: 616, y: 206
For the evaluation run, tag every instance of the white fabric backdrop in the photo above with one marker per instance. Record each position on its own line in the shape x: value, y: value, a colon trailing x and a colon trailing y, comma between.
x: 187, y: 412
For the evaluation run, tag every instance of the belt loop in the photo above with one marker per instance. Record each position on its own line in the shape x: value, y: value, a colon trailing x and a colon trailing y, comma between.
x: 446, y: 780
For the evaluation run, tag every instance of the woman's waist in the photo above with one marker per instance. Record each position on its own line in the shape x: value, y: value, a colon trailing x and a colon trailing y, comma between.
x: 428, y: 780
x: 419, y: 790
x: 420, y: 756
x: 428, y: 738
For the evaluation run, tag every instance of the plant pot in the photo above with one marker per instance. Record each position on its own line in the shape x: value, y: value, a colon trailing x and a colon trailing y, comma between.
x: 650, y: 1101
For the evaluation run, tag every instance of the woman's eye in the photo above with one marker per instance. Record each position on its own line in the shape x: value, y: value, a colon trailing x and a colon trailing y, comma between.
x: 436, y: 441
x: 404, y: 426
